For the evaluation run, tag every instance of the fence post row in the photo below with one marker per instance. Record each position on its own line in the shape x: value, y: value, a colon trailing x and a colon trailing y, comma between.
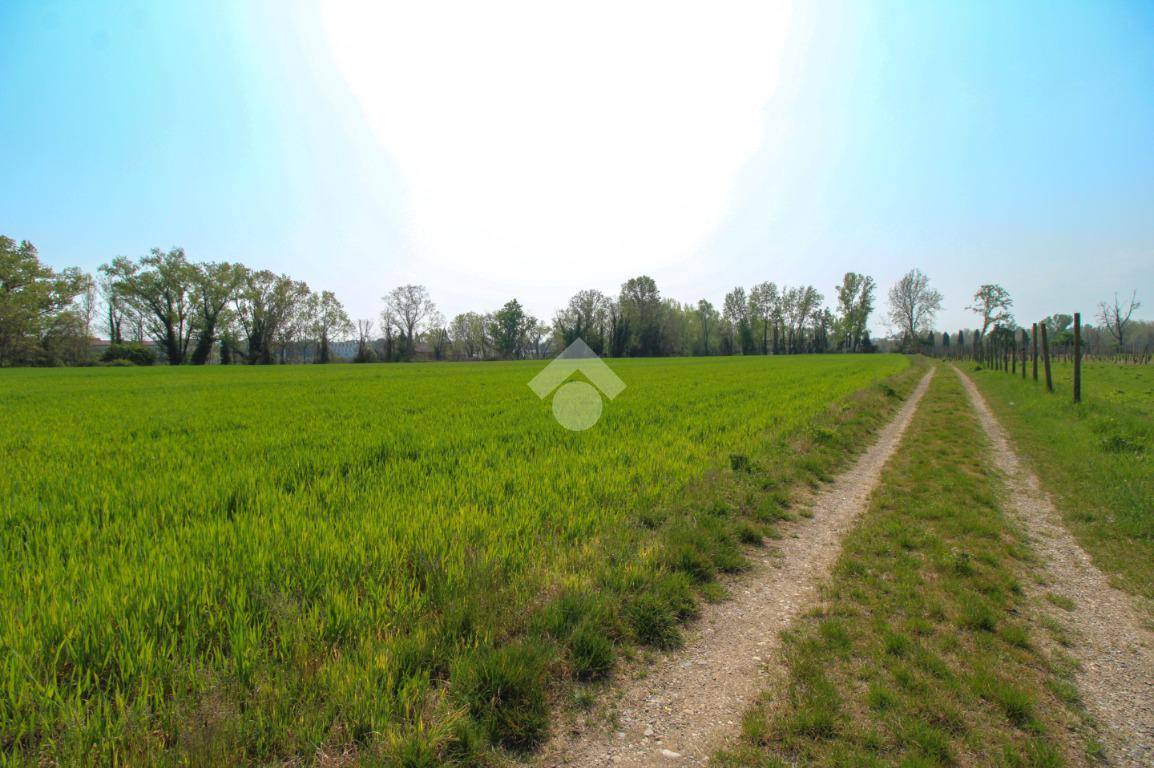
x: 1046, y: 359
x: 1034, y: 337
x: 1023, y: 349
x: 1077, y: 357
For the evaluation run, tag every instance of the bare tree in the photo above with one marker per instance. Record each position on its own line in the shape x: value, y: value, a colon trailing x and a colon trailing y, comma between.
x: 409, y: 306
x: 993, y: 303
x: 86, y: 303
x: 364, y: 341
x: 1115, y: 318
x: 913, y: 304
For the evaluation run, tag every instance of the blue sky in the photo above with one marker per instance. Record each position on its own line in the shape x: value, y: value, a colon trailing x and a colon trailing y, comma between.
x: 530, y: 150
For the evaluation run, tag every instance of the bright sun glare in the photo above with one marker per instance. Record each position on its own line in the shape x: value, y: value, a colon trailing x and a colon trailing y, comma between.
x: 526, y: 132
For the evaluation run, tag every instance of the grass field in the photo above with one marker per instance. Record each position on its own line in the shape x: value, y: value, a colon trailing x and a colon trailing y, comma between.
x: 1095, y: 458
x: 921, y: 652
x: 261, y: 565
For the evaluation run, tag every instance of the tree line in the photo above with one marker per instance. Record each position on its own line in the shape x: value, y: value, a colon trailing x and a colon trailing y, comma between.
x: 165, y: 307
x: 179, y: 311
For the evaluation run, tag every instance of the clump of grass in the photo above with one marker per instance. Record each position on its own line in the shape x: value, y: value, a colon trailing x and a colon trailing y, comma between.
x: 748, y: 533
x: 1063, y: 602
x: 591, y: 652
x: 1015, y: 634
x: 977, y: 616
x: 653, y: 622
x: 504, y: 691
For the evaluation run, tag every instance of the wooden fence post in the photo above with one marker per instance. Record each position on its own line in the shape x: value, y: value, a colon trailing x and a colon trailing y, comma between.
x: 1034, y: 338
x: 1046, y: 359
x: 1077, y: 357
x: 1023, y: 349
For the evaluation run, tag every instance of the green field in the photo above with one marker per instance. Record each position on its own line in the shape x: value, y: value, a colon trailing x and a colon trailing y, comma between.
x: 1095, y: 457
x: 265, y: 564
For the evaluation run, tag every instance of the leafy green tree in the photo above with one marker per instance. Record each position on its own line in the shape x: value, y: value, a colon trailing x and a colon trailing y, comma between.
x: 265, y: 303
x: 160, y: 287
x: 641, y: 308
x: 215, y: 285
x: 37, y: 323
x: 855, y: 302
x: 468, y: 333
x: 586, y: 317
x: 620, y: 330
x: 763, y: 306
x: 508, y: 327
x: 328, y: 322
x: 707, y: 317
x: 735, y: 311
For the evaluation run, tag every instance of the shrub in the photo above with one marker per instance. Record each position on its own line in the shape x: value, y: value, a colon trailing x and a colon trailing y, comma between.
x: 133, y: 352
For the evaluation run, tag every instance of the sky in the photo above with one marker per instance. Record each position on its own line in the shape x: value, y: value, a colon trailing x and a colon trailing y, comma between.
x: 528, y: 150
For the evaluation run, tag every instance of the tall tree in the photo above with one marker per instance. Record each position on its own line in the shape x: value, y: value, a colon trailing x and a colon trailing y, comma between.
x: 214, y: 286
x: 1115, y: 317
x: 468, y: 333
x: 265, y: 304
x: 35, y: 301
x: 536, y: 337
x: 586, y: 317
x: 913, y: 305
x: 992, y: 302
x: 409, y: 306
x: 762, y: 306
x: 437, y: 336
x: 329, y: 322
x: 160, y: 288
x: 364, y: 342
x: 641, y: 306
x: 620, y: 330
x: 508, y: 328
x: 735, y: 311
x: 855, y: 302
x: 707, y: 315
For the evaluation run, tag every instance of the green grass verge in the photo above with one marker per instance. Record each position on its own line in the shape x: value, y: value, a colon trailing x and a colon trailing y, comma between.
x: 1096, y: 459
x: 920, y: 653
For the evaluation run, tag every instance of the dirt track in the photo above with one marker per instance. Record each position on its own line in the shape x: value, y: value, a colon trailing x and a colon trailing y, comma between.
x: 1116, y: 679
x: 692, y: 701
